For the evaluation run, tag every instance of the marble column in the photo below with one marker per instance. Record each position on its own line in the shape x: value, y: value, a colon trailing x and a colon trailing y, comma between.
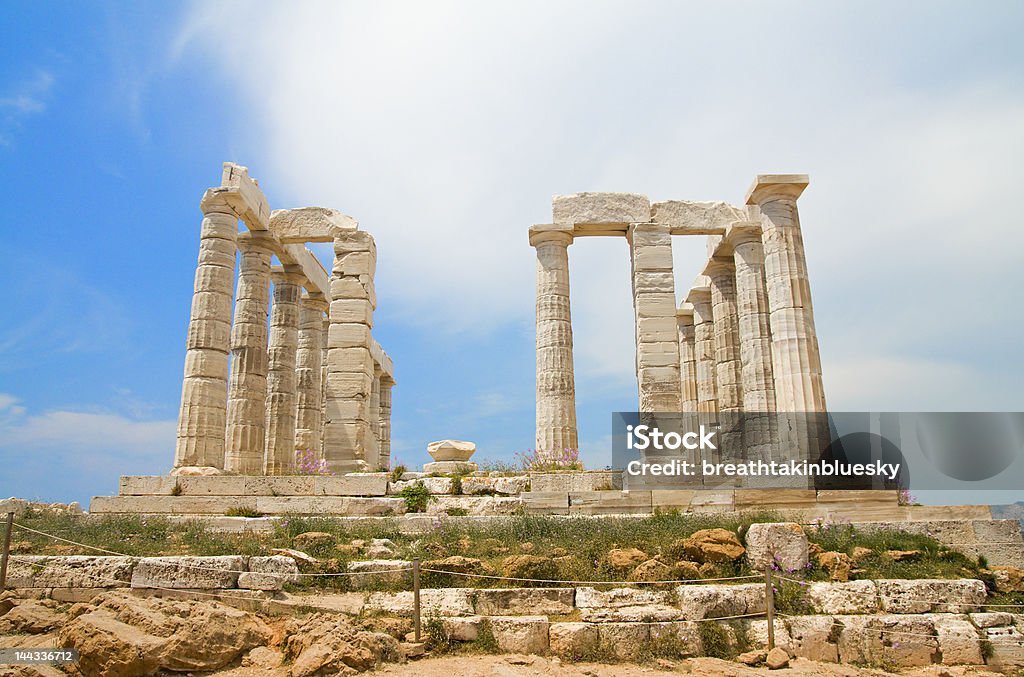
x: 556, y: 389
x: 247, y: 406
x: 350, y: 444
x: 374, y: 412
x: 704, y: 351
x: 202, y: 419
x: 279, y: 457
x: 687, y: 358
x: 309, y: 375
x: 755, y: 339
x: 796, y: 361
x: 728, y: 370
x: 654, y: 303
x: 386, y: 384
x: 326, y: 326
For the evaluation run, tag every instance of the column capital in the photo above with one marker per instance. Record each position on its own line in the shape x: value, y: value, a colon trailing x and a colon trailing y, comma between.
x: 719, y: 265
x: 553, y: 233
x: 698, y: 295
x: 215, y: 202
x: 743, y: 232
x: 769, y: 187
x: 684, y: 312
x: 249, y: 240
x: 316, y: 302
x: 287, y: 275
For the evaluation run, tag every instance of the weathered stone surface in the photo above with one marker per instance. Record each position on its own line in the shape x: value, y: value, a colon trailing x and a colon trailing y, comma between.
x: 110, y: 648
x: 625, y: 640
x: 188, y: 572
x: 592, y: 598
x: 433, y: 602
x: 435, y: 485
x: 686, y: 217
x: 269, y: 573
x: 1008, y: 578
x: 513, y: 601
x: 475, y: 505
x: 757, y: 633
x: 814, y: 637
x: 29, y: 617
x: 958, y: 640
x: 450, y: 468
x: 374, y: 573
x: 783, y: 544
x: 71, y: 571
x: 546, y: 502
x: 684, y: 636
x: 507, y: 486
x: 886, y: 640
x: 572, y: 640
x: 532, y: 567
x: 921, y: 596
x: 713, y: 601
x: 521, y: 634
x: 609, y: 502
x: 451, y: 450
x: 600, y: 208
x: 853, y: 597
x: 652, y: 570
x: 600, y: 480
x: 310, y: 224
x: 713, y: 545
x: 837, y: 564
x: 625, y: 558
x: 463, y: 628
x: 991, y: 619
x: 777, y: 659
x: 313, y: 539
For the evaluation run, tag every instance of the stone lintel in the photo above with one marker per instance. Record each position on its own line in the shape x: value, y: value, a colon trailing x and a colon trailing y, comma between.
x: 316, y: 300
x: 774, y: 186
x: 600, y: 229
x: 245, y: 197
x: 684, y: 310
x: 288, y: 273
x: 382, y: 361
x: 698, y: 295
x: 317, y: 279
x: 600, y: 208
x: 551, y: 233
x: 310, y: 224
x: 687, y: 217
x: 259, y: 239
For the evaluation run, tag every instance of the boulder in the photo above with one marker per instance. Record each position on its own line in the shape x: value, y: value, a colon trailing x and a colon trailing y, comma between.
x: 625, y: 558
x: 521, y: 634
x: 686, y: 571
x: 529, y: 567
x: 714, y: 601
x: 323, y: 644
x: 311, y: 540
x: 572, y: 640
x: 713, y: 546
x: 1007, y: 578
x: 783, y: 544
x: 777, y: 659
x: 457, y: 564
x: 109, y: 648
x: 29, y: 617
x: 859, y: 553
x: 376, y: 573
x: 837, y: 564
x: 212, y: 636
x: 903, y: 555
x: 204, y: 573
x: 652, y: 570
x: 297, y: 555
x: 752, y: 658
x: 380, y: 548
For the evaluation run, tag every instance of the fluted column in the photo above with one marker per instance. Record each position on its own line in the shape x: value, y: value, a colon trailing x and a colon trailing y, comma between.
x: 796, y: 361
x: 375, y: 409
x: 687, y: 357
x: 279, y: 458
x: 722, y: 274
x: 654, y: 304
x: 349, y: 443
x: 386, y: 384
x: 323, y: 380
x: 755, y: 339
x: 247, y: 407
x: 309, y: 375
x: 704, y: 351
x: 556, y: 389
x: 202, y: 419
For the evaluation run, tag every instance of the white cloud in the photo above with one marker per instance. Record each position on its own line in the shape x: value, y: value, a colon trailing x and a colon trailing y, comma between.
x: 446, y: 127
x: 22, y: 100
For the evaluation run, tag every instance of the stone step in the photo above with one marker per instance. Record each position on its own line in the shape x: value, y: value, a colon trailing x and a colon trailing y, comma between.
x: 358, y: 484
x: 266, y: 505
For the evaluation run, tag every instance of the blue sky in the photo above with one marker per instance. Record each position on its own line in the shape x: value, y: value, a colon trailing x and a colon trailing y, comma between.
x: 445, y: 128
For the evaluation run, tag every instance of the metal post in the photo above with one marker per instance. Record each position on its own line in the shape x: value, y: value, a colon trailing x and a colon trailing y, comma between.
x: 769, y: 605
x: 416, y: 598
x: 7, y: 551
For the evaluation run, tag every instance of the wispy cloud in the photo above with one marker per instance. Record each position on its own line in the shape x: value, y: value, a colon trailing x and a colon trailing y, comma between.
x: 21, y: 100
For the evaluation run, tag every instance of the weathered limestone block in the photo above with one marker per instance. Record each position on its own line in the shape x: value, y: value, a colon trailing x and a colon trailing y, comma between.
x: 279, y: 457
x: 991, y: 619
x: 451, y: 450
x: 556, y: 389
x: 521, y: 634
x: 654, y: 613
x: 686, y: 217
x: 626, y: 640
x: 222, y: 485
x: 72, y: 571
x: 728, y: 376
x: 757, y: 633
x: 476, y: 505
x: 384, y: 429
x: 713, y: 601
x: 433, y: 602
x: 814, y: 637
x: 284, y: 485
x: 375, y: 572
x: 782, y: 543
x: 853, y: 597
x: 507, y: 486
x: 514, y: 601
x: 140, y: 485
x: 203, y: 573
x: 546, y: 502
x: 463, y: 628
x: 572, y: 639
x: 886, y: 640
x: 609, y: 502
x: 269, y: 573
x: 921, y: 596
x: 564, y: 482
x: 684, y: 634
x: 959, y: 641
x: 310, y: 224
x: 435, y: 485
x: 601, y: 208
x: 354, y: 484
x: 592, y: 598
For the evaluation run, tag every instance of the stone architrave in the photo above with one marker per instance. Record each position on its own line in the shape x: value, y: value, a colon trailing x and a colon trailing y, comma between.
x: 309, y: 375
x: 687, y: 358
x: 247, y: 407
x: 654, y: 303
x: 796, y: 361
x: 759, y: 405
x: 386, y: 384
x: 556, y: 389
x: 350, y: 444
x: 202, y: 419
x: 279, y: 458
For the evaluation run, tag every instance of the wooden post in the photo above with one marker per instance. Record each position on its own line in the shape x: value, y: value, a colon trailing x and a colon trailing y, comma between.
x: 7, y: 551
x: 769, y: 605
x: 416, y: 598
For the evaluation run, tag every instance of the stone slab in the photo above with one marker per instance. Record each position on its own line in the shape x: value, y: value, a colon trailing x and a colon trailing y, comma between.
x: 202, y: 573
x: 546, y: 502
x: 514, y: 601
x: 575, y: 481
x: 610, y: 502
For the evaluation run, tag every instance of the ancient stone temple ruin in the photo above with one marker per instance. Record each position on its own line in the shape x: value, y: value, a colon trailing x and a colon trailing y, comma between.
x: 743, y: 339
x: 316, y: 382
